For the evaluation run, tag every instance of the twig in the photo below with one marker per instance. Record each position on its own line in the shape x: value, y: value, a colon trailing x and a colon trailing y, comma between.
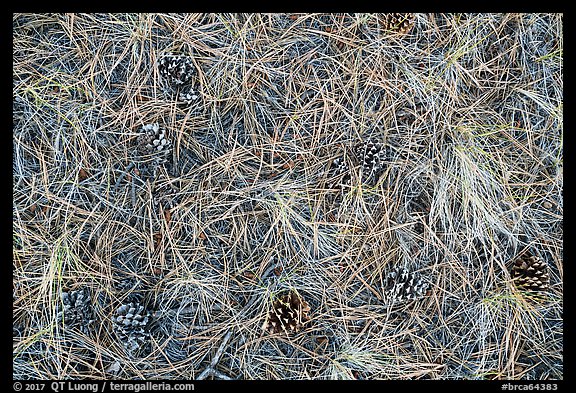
x: 133, y: 189
x: 123, y: 175
x: 220, y: 375
x: 210, y: 370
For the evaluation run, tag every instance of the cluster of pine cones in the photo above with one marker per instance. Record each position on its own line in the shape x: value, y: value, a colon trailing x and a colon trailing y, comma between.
x: 364, y: 162
x: 289, y: 311
x: 153, y: 146
x: 178, y: 78
x: 131, y: 321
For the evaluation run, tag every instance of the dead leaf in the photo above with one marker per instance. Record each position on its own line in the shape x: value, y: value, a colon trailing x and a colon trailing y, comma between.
x: 33, y: 208
x: 278, y: 270
x: 321, y: 340
x: 142, y: 98
x: 157, y: 237
x: 82, y: 175
x: 289, y: 165
x: 167, y: 215
x: 202, y: 236
x: 249, y: 275
x: 293, y: 16
x: 157, y: 271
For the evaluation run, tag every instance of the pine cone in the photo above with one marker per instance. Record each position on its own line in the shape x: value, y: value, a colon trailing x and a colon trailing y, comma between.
x: 166, y: 196
x: 398, y: 22
x: 178, y: 72
x: 368, y: 155
x: 411, y: 112
x: 153, y: 140
x: 403, y: 286
x: 531, y: 273
x: 131, y: 325
x: 289, y: 314
x: 371, y: 154
x: 341, y: 169
x: 76, y: 310
x: 420, y: 203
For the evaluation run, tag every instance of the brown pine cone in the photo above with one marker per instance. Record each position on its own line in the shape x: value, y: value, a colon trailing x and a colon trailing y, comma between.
x: 531, y: 273
x: 398, y: 22
x: 289, y: 314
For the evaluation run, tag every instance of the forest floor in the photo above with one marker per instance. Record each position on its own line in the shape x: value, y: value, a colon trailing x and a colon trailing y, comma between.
x: 131, y: 263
